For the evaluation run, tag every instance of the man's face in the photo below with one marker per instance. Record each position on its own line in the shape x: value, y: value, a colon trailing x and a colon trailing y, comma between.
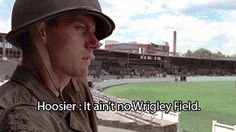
x: 71, y: 43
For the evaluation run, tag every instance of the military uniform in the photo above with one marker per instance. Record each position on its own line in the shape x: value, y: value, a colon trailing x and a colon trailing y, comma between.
x: 19, y: 96
x: 25, y: 89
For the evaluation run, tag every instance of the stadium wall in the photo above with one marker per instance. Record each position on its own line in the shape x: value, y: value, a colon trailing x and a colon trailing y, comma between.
x: 114, y: 82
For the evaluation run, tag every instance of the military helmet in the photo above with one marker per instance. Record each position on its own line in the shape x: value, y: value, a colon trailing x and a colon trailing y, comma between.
x: 26, y: 12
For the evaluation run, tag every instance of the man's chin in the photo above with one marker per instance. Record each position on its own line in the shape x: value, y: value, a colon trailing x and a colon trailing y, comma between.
x: 81, y: 74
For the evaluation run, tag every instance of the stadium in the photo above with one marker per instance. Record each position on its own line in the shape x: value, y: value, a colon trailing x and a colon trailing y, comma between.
x: 148, y: 74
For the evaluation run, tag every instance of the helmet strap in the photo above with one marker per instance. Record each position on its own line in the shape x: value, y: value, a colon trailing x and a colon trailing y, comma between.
x: 42, y: 52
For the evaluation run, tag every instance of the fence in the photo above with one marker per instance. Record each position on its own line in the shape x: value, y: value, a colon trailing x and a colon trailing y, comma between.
x: 218, y: 127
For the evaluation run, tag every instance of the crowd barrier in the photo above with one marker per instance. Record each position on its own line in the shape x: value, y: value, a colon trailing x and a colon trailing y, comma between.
x: 218, y: 127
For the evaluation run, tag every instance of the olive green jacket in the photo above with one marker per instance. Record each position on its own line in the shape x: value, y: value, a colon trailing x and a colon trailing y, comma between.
x: 25, y: 89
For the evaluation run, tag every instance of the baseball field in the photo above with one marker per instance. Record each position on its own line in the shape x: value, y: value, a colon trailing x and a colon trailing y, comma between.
x: 217, y: 100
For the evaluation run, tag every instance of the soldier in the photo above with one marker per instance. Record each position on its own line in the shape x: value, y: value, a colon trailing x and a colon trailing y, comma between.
x: 57, y: 38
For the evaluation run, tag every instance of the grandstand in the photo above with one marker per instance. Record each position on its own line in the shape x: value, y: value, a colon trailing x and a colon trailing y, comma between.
x: 6, y: 69
x: 7, y: 50
x: 131, y: 64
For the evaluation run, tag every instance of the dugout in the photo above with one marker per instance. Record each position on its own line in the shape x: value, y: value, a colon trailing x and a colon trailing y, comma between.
x: 183, y: 78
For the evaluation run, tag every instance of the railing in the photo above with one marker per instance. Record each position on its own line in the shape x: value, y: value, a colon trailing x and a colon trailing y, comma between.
x: 218, y: 127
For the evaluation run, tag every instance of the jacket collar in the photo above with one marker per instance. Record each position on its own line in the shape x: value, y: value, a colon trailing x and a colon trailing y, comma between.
x: 36, y: 88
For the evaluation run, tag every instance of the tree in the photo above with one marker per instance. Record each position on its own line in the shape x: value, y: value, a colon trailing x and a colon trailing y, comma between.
x: 203, y: 53
x: 189, y: 53
x: 233, y: 56
x: 218, y: 55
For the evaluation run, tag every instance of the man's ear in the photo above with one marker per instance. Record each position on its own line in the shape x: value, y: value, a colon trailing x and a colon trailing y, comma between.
x: 41, y: 27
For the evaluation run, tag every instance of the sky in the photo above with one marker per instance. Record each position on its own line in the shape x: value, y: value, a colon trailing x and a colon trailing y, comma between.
x: 209, y: 24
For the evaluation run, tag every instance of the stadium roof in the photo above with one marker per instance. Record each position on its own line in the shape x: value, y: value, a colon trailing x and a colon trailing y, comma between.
x: 168, y: 56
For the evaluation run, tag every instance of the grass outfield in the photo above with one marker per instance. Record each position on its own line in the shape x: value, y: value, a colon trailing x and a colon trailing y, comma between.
x: 217, y: 100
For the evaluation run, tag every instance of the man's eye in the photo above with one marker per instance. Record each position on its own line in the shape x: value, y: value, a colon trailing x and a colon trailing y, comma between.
x: 81, y: 27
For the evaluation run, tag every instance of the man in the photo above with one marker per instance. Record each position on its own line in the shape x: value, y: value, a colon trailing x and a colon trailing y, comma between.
x: 57, y: 38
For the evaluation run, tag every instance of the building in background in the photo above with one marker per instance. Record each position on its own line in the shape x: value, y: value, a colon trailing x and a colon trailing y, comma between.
x: 9, y: 58
x: 134, y: 47
x: 7, y: 51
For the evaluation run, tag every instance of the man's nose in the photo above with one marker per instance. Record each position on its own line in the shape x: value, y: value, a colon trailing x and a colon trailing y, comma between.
x: 92, y: 42
x: 92, y: 56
